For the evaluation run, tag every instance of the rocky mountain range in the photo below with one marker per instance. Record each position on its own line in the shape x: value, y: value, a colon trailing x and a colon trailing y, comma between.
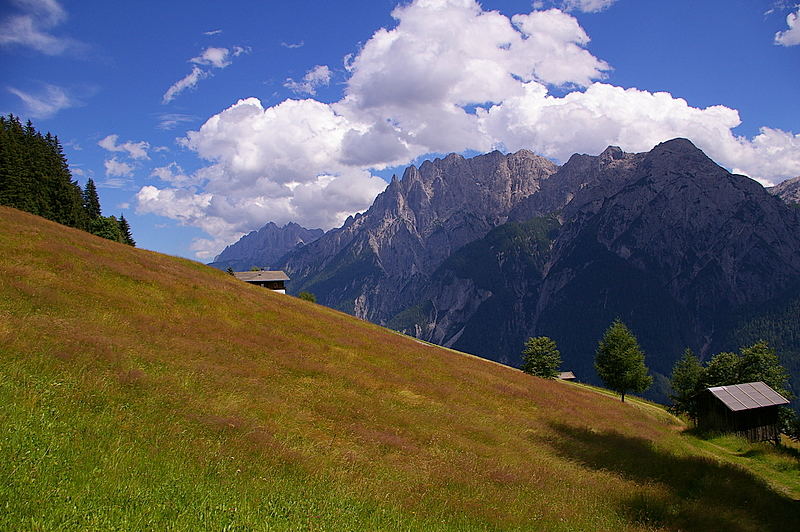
x: 788, y: 191
x: 377, y: 262
x: 479, y: 254
x: 684, y: 252
x: 264, y: 247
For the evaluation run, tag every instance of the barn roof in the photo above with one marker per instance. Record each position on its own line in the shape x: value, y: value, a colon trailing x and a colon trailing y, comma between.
x: 747, y: 396
x: 566, y: 375
x: 261, y: 275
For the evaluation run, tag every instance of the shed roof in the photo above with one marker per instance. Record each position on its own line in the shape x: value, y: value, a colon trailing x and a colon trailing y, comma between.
x: 261, y: 275
x: 566, y: 375
x: 747, y: 396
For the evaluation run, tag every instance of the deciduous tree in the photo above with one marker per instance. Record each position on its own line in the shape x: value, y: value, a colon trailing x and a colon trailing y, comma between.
x: 541, y: 357
x: 307, y: 296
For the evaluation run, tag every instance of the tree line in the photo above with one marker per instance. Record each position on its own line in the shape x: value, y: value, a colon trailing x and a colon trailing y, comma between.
x: 35, y: 177
x: 619, y: 362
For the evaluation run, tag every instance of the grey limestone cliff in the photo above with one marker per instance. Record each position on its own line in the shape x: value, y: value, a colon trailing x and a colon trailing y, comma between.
x: 264, y: 248
x: 377, y: 262
x: 788, y: 191
x: 670, y: 242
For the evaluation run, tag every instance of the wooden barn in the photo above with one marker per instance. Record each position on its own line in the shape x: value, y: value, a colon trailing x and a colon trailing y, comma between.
x: 274, y: 280
x: 749, y: 409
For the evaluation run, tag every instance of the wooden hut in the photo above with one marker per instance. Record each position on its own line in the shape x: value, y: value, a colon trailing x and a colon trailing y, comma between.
x: 274, y: 280
x: 749, y: 409
x: 566, y: 376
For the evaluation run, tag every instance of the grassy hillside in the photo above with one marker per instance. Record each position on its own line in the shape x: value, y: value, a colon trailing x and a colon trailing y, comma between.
x: 140, y: 391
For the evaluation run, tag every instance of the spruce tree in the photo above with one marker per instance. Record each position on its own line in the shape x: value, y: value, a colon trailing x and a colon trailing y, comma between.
x: 125, y: 229
x: 619, y: 361
x: 686, y: 382
x: 91, y: 201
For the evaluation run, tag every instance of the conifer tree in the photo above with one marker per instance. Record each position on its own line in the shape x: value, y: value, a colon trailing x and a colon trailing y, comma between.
x: 125, y: 229
x: 35, y: 176
x: 91, y: 201
x: 686, y: 382
x: 619, y: 361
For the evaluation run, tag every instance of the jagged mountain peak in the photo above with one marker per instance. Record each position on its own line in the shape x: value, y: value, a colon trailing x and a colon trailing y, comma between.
x: 413, y: 225
x: 788, y: 191
x: 667, y: 154
x: 263, y: 248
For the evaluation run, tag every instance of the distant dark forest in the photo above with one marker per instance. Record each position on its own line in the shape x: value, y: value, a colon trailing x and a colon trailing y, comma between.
x: 35, y: 177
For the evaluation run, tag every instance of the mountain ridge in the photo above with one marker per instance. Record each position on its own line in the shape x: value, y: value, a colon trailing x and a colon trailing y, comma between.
x: 667, y: 240
x: 264, y: 247
x: 676, y: 247
x: 788, y: 191
x: 412, y: 226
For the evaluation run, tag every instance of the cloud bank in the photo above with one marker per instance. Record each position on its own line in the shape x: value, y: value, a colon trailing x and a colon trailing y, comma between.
x: 421, y: 88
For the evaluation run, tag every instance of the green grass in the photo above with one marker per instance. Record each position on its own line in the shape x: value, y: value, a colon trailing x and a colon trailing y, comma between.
x: 778, y: 465
x: 140, y: 391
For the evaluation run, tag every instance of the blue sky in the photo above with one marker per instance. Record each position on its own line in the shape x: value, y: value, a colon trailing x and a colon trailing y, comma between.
x: 201, y: 121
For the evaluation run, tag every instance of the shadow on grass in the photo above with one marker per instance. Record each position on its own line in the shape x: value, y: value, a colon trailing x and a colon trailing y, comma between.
x: 696, y: 494
x: 776, y: 449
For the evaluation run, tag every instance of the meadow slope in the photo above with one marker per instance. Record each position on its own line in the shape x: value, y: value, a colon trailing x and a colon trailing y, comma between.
x: 141, y: 391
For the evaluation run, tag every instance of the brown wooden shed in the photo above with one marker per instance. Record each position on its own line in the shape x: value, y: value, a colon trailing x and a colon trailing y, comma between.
x: 274, y: 280
x: 749, y: 409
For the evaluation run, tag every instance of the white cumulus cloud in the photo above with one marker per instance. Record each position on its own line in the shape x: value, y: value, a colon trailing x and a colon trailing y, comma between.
x: 319, y: 76
x: 218, y: 57
x: 135, y: 150
x: 449, y: 76
x: 172, y: 174
x: 115, y: 168
x: 791, y: 36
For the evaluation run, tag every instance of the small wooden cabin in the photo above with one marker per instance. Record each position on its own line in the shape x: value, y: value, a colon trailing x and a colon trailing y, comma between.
x: 274, y: 280
x: 749, y: 409
x: 566, y: 376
